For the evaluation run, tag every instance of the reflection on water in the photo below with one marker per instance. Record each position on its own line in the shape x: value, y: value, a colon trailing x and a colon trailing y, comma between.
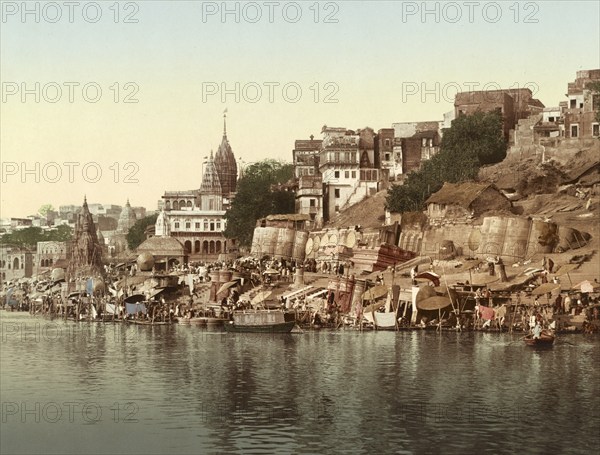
x: 112, y: 388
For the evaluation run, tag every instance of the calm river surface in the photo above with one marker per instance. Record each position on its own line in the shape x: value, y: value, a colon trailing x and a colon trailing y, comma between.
x: 114, y: 389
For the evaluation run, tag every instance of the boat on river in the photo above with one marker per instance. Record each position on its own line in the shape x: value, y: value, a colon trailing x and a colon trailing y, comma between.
x: 546, y: 339
x: 261, y: 321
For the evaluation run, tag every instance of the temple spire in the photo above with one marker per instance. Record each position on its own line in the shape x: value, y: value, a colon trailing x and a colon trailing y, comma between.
x: 225, y: 123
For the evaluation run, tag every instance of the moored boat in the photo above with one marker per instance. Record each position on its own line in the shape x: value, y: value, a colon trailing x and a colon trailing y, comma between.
x: 545, y: 339
x: 261, y: 321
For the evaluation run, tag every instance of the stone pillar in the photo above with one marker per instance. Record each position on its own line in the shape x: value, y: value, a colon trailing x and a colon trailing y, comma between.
x: 214, y: 285
x: 415, y: 291
x: 359, y: 289
x: 299, y: 277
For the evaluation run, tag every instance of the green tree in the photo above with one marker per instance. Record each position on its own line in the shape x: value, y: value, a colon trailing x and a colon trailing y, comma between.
x: 29, y: 237
x: 471, y: 141
x: 257, y: 197
x: 62, y: 233
x: 44, y: 209
x: 137, y: 232
x: 478, y: 136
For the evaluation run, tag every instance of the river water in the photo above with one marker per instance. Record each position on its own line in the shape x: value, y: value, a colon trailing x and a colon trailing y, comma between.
x: 111, y: 388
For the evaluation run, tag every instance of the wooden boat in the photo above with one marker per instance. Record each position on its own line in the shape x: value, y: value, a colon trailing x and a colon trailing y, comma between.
x: 545, y: 339
x: 261, y: 321
x: 146, y: 322
x: 214, y: 322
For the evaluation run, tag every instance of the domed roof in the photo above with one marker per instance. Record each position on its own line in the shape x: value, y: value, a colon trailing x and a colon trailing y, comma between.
x: 145, y: 262
x: 211, y: 184
x: 127, y: 218
x: 161, y: 246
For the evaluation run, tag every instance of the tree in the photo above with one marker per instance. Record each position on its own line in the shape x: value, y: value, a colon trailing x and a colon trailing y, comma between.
x: 44, y: 209
x: 137, y: 232
x: 62, y: 233
x: 256, y: 199
x: 476, y: 136
x: 30, y: 236
x: 471, y: 141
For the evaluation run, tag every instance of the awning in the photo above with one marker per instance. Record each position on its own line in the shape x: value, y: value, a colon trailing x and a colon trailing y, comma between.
x: 271, y: 272
x: 532, y: 271
x: 317, y: 294
x: 545, y: 288
x: 261, y: 297
x: 287, y: 295
x: 566, y: 268
x: 584, y: 286
x: 135, y: 298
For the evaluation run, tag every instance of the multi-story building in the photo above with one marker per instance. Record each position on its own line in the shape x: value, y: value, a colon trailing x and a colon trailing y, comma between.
x: 414, y: 142
x: 384, y: 152
x: 340, y: 170
x: 348, y: 168
x: 51, y: 254
x: 513, y: 104
x: 196, y: 218
x: 306, y: 157
x: 309, y: 198
x: 582, y: 105
x: 15, y: 263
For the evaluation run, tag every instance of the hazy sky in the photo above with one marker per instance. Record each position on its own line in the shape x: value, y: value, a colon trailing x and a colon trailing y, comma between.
x: 346, y: 63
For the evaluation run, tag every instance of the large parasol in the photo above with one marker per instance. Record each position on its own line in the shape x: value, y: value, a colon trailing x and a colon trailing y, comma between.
x: 424, y: 293
x: 566, y: 269
x: 226, y: 286
x: 545, y: 288
x: 437, y: 302
x: 375, y: 292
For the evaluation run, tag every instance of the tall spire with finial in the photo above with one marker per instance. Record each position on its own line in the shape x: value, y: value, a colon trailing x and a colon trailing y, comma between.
x: 225, y: 163
x: 86, y: 251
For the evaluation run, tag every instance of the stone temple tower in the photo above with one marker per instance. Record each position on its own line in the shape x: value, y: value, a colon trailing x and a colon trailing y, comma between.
x: 86, y: 252
x: 127, y: 219
x: 211, y: 197
x: 226, y: 165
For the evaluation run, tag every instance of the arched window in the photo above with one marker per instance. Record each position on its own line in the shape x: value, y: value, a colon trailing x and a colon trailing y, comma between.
x: 197, y: 246
x: 205, y: 247
x: 189, y: 204
x: 175, y: 205
x: 218, y: 247
x: 16, y: 263
x: 212, y: 247
x: 188, y: 247
x: 168, y: 205
x: 181, y: 204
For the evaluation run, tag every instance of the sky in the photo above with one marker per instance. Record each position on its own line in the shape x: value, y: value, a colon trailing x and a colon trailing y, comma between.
x: 117, y: 100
